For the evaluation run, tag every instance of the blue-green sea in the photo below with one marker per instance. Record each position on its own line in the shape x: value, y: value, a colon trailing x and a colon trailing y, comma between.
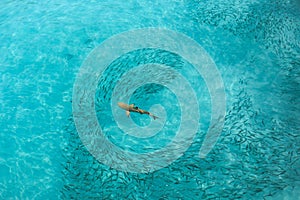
x: 255, y: 45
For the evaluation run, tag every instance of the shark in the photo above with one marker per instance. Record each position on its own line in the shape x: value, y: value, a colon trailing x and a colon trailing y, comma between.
x: 133, y: 108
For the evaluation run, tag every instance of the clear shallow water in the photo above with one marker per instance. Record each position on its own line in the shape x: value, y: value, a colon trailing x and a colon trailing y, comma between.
x: 254, y: 45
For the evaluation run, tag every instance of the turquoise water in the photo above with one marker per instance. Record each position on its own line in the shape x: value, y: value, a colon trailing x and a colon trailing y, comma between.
x: 254, y: 45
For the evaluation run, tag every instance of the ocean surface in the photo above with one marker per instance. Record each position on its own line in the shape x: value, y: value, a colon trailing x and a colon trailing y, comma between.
x: 255, y: 46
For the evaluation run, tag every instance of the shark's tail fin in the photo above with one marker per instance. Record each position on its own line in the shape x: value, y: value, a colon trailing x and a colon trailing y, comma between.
x: 154, y: 117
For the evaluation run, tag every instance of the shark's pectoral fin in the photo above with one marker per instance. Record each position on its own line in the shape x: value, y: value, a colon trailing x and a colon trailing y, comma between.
x: 127, y: 113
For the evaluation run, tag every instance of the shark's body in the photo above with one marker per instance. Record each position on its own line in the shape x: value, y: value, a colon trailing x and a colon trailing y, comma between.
x: 132, y: 108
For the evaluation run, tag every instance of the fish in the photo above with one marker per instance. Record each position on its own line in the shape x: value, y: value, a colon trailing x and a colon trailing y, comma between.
x: 133, y: 108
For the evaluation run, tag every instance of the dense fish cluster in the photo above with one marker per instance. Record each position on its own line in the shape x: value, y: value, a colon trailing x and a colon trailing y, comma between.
x: 253, y: 158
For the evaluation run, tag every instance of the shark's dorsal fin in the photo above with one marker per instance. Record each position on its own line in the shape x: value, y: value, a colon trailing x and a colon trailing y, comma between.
x: 131, y: 105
